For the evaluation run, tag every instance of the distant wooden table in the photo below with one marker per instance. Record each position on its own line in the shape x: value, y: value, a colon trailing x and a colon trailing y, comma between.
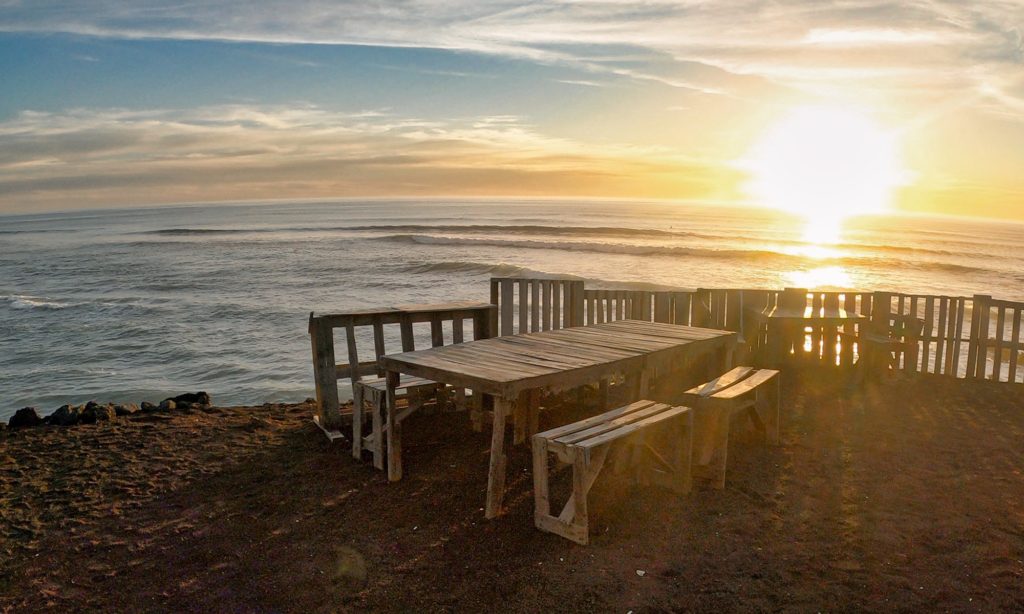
x: 507, y: 367
x: 786, y: 325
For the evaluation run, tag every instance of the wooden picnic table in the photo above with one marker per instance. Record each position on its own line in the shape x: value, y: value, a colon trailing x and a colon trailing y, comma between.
x: 507, y: 367
x: 786, y: 324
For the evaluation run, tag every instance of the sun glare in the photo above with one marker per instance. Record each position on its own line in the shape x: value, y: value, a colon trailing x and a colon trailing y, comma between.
x: 825, y: 164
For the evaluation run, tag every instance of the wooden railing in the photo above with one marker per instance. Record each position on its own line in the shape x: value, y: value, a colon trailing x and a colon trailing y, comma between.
x: 383, y: 331
x: 965, y: 337
x: 996, y: 349
x: 531, y: 305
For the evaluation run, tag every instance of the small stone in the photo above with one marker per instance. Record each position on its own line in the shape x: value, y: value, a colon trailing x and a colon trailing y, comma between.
x: 167, y: 405
x: 26, y: 416
x: 98, y: 413
x: 91, y: 405
x: 66, y: 415
x: 126, y: 409
x: 147, y: 407
x: 641, y: 573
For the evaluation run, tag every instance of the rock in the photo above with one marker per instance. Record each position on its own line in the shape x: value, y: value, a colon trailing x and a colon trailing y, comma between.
x: 167, y: 405
x: 26, y: 416
x: 126, y: 409
x: 66, y: 415
x: 188, y: 398
x: 147, y: 407
x: 94, y: 412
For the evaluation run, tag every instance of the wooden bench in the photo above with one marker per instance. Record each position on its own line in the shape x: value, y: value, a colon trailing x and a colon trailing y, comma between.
x: 585, y: 446
x: 753, y: 392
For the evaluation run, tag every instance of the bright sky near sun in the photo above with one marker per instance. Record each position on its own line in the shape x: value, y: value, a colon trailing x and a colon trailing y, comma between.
x: 825, y: 109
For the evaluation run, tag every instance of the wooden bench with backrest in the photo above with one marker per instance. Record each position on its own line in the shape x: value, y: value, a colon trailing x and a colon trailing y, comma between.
x: 743, y: 390
x: 368, y: 384
x: 585, y: 445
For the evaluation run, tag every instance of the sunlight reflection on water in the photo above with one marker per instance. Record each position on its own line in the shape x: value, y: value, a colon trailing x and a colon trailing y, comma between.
x: 820, y: 277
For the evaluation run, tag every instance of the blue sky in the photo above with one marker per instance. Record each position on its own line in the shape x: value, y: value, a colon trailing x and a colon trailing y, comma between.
x: 110, y: 104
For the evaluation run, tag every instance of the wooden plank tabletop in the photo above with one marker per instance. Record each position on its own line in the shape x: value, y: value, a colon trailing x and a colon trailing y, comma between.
x: 507, y: 365
x: 822, y: 314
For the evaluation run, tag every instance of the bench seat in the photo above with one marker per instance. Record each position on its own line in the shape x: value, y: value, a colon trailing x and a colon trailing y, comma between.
x: 585, y: 445
x: 743, y: 390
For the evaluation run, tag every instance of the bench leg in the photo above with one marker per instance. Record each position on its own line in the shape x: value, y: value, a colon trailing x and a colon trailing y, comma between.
x: 722, y: 449
x: 357, y: 421
x: 580, y: 490
x: 684, y: 454
x: 541, y: 500
x: 393, y: 429
x: 573, y: 522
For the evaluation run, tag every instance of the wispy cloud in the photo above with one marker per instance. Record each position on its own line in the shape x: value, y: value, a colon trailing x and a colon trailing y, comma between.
x: 791, y: 42
x: 89, y: 157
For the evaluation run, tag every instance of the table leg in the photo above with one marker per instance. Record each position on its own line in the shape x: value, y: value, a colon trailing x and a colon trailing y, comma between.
x: 393, y: 428
x: 496, y: 472
x: 773, y: 343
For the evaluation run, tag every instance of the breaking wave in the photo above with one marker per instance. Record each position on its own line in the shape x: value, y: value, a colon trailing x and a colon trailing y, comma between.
x: 757, y: 255
x: 22, y: 301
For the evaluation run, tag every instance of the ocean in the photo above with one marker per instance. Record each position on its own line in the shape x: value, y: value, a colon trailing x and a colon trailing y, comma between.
x: 145, y: 303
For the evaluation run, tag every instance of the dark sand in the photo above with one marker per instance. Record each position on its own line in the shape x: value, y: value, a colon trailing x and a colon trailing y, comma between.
x: 907, y: 497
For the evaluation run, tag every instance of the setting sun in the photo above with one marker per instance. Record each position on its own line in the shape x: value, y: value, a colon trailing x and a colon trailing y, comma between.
x: 825, y: 165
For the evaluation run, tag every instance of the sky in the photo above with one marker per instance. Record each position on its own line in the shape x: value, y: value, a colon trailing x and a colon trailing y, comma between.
x: 107, y: 104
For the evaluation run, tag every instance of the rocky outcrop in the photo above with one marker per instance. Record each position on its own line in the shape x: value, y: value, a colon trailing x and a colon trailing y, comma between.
x: 93, y: 412
x: 66, y: 415
x: 26, y: 416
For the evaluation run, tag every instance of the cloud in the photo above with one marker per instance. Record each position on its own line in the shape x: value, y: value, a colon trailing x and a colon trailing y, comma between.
x: 112, y: 156
x: 794, y: 43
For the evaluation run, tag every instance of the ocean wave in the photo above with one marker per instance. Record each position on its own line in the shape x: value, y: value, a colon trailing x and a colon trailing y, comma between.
x: 175, y: 232
x: 569, y: 232
x: 481, y: 268
x: 24, y: 301
x: 586, y: 246
x: 756, y: 255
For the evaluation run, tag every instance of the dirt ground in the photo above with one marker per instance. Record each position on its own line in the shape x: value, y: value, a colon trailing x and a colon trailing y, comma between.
x: 906, y: 496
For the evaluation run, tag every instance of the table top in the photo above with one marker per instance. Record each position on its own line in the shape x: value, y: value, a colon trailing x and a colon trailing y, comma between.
x: 558, y: 358
x: 809, y: 314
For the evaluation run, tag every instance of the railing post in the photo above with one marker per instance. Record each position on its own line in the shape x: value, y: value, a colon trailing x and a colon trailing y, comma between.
x: 978, y: 348
x: 324, y: 373
x: 484, y: 323
x: 701, y: 308
x: 577, y: 304
x: 494, y: 301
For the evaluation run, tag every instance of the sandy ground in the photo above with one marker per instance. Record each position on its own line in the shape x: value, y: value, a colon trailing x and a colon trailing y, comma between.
x: 907, y: 496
